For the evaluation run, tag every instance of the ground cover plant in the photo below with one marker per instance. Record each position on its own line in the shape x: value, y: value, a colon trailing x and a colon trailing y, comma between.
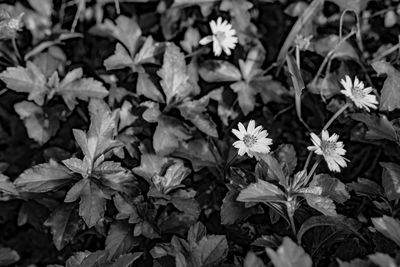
x: 199, y: 133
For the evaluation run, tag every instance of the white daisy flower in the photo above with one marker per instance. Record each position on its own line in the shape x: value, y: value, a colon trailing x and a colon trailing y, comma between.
x: 358, y: 94
x: 330, y: 149
x: 223, y: 37
x: 252, y: 141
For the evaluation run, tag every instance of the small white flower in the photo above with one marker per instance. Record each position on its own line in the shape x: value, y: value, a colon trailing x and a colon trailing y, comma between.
x: 303, y: 42
x: 330, y: 149
x: 223, y: 37
x: 358, y: 94
x: 252, y: 141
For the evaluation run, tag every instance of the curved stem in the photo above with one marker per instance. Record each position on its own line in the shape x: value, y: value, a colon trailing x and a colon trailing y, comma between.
x: 16, y: 50
x: 314, y: 167
x: 298, y: 56
x: 228, y: 164
x: 308, y: 160
x: 340, y: 111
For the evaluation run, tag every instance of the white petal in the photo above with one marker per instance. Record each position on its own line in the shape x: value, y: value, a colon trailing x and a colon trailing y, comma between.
x: 238, y: 134
x: 206, y: 40
x: 250, y: 127
x: 241, y: 128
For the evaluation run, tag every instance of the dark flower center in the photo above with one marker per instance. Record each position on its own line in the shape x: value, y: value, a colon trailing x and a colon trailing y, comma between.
x: 249, y: 140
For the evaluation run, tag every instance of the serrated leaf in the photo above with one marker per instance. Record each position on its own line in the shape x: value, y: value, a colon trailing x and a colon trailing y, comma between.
x: 261, y: 191
x: 120, y: 239
x: 324, y: 205
x: 127, y: 259
x: 378, y: 127
x: 126, y: 30
x: 219, y: 71
x: 26, y: 80
x: 273, y: 168
x: 119, y: 60
x: 172, y: 178
x: 366, y: 187
x: 147, y: 88
x: 198, y: 151
x: 289, y: 254
x: 246, y: 96
x: 338, y: 222
x: 389, y: 227
x: 196, y: 233
x: 195, y: 111
x: 211, y: 250
x: 326, y: 44
x: 95, y: 259
x: 175, y: 81
x: 391, y: 180
x: 170, y: 132
x: 7, y: 186
x: 74, y: 86
x: 331, y: 187
x: 93, y: 201
x: 65, y: 224
x: 150, y: 164
x: 148, y: 52
x: 39, y: 125
x: 390, y: 93
x: 43, y: 178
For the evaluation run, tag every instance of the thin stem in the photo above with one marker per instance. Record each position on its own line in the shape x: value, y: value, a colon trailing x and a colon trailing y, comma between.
x: 298, y: 56
x: 329, y: 56
x: 16, y: 50
x: 308, y: 160
x: 117, y: 7
x: 228, y: 164
x: 340, y: 111
x: 314, y: 167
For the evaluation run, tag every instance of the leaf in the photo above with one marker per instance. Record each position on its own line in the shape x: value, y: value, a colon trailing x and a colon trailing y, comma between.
x: 44, y: 7
x: 119, y: 60
x: 273, y: 167
x: 26, y: 80
x: 307, y: 16
x: 327, y: 86
x: 339, y: 223
x: 100, y: 137
x: 7, y: 186
x: 195, y: 111
x: 120, y: 239
x: 175, y: 81
x: 74, y: 86
x: 353, y: 263
x: 127, y: 259
x: 382, y: 260
x: 391, y: 180
x: 378, y: 127
x: 219, y: 71
x: 331, y: 187
x: 93, y: 201
x: 390, y: 93
x: 170, y: 132
x: 233, y: 211
x: 65, y: 224
x: 150, y: 164
x: 389, y: 227
x: 261, y: 191
x: 366, y: 187
x: 43, y: 178
x: 289, y: 254
x: 147, y: 53
x: 198, y: 151
x: 95, y: 259
x: 172, y: 178
x: 324, y: 205
x: 126, y: 30
x: 39, y: 125
x: 251, y: 260
x: 356, y: 5
x: 326, y: 44
x: 8, y: 256
x: 246, y: 96
x: 196, y: 233
x: 211, y: 250
x: 287, y: 157
x: 147, y: 88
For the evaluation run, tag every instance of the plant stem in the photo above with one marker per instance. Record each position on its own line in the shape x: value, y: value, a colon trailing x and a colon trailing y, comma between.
x: 228, y: 164
x: 298, y: 57
x: 314, y: 167
x: 340, y: 111
x: 293, y: 226
x: 15, y: 47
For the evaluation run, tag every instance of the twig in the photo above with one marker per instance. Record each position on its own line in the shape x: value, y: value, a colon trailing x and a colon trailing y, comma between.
x: 340, y: 111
